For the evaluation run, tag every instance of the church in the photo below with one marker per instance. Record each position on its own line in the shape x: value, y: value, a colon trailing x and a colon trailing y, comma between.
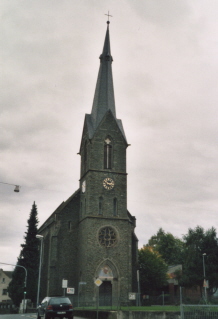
x: 89, y: 240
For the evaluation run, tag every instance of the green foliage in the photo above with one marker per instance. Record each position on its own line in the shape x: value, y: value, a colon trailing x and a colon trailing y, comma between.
x: 189, y: 252
x: 198, y: 242
x: 16, y: 286
x: 29, y: 258
x: 170, y: 248
x: 153, y: 271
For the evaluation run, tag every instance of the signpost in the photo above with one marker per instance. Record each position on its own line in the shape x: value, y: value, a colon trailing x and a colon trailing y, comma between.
x: 64, y: 284
x: 98, y: 283
x: 80, y: 283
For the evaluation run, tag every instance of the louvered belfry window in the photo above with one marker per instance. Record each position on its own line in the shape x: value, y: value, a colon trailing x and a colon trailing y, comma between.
x: 85, y: 155
x: 100, y: 204
x: 107, y: 154
x: 115, y: 207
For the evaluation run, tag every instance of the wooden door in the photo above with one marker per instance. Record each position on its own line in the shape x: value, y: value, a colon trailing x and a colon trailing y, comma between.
x: 105, y: 294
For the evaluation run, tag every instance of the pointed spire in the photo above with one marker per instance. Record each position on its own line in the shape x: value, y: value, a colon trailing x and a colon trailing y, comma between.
x: 104, y: 92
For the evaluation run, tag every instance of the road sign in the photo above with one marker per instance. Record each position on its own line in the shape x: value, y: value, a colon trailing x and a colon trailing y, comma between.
x: 64, y: 283
x: 82, y: 283
x: 70, y: 290
x: 98, y: 282
x: 132, y: 296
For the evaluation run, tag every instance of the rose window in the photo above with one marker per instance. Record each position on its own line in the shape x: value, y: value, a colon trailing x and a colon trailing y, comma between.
x: 107, y: 237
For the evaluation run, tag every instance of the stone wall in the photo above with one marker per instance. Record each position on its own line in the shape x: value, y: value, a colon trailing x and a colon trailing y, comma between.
x: 127, y: 314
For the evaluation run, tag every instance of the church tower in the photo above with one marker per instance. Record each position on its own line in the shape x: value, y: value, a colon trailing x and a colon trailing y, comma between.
x: 89, y: 239
x: 106, y: 228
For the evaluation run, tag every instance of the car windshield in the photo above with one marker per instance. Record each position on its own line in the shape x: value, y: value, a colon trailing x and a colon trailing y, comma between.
x: 55, y: 301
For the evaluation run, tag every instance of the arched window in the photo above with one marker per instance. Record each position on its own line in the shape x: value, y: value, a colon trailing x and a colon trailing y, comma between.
x: 107, y: 153
x: 100, y: 206
x: 115, y: 207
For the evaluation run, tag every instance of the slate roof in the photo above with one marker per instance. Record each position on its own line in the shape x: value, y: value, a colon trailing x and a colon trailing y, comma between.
x: 104, y: 100
x: 58, y: 210
x: 8, y: 273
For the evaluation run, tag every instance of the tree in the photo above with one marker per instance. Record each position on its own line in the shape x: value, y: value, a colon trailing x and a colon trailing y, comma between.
x: 153, y: 271
x: 170, y: 248
x: 29, y: 258
x: 198, y: 242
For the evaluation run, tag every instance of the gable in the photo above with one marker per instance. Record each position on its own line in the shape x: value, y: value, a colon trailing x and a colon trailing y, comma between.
x: 112, y: 126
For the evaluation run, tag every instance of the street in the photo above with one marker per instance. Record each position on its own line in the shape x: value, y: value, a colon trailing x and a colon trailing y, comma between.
x: 24, y: 316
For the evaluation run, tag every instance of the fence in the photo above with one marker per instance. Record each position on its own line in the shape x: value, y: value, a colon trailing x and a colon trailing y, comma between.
x: 6, y: 308
x: 199, y: 311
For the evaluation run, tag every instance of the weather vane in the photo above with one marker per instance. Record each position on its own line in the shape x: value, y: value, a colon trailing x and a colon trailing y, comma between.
x: 108, y: 15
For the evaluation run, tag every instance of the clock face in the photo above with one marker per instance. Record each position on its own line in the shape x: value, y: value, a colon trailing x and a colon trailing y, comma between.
x: 83, y: 186
x: 108, y: 183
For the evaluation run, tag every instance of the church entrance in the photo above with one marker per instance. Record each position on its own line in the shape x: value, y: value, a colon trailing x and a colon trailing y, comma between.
x: 105, y: 294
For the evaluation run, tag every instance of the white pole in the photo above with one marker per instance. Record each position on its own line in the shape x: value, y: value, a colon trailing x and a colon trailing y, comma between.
x: 40, y: 267
x: 205, y: 288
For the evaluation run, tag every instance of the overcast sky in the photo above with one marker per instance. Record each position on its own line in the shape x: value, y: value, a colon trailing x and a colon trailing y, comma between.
x: 165, y: 79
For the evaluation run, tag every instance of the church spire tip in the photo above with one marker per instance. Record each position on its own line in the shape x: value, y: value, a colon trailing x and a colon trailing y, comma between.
x: 108, y: 15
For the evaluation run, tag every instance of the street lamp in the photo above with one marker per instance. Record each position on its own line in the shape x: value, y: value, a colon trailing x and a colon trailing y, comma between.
x: 138, y: 299
x: 205, y: 288
x: 17, y: 187
x: 40, y: 237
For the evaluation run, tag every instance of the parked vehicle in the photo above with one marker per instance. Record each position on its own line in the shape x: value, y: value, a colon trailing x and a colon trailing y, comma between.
x: 52, y: 307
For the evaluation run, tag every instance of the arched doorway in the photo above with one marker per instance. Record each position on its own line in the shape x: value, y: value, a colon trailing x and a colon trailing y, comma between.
x: 105, y: 273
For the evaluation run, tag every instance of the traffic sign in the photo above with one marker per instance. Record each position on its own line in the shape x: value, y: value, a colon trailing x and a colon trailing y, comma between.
x: 98, y: 282
x: 70, y: 290
x: 64, y: 283
x: 132, y: 296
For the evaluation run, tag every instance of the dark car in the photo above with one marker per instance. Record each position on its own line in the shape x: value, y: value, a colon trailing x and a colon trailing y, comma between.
x: 52, y: 307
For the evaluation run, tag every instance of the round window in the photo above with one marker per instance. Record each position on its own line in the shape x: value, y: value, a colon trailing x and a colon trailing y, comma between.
x: 107, y: 237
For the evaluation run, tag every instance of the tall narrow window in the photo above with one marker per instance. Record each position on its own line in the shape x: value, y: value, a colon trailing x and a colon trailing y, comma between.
x: 85, y: 156
x: 81, y: 209
x: 107, y: 154
x: 69, y: 225
x: 115, y: 207
x: 100, y: 206
x: 4, y: 291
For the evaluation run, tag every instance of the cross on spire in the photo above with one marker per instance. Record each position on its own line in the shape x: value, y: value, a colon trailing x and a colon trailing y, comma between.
x: 108, y: 15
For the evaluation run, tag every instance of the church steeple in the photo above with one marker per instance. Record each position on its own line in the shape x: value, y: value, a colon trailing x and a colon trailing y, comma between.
x: 104, y: 101
x: 104, y: 92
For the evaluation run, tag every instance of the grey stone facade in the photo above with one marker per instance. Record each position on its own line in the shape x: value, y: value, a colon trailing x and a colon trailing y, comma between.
x: 91, y: 235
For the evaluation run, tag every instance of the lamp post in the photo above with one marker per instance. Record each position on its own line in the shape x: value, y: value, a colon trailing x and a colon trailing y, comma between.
x: 138, y: 299
x: 40, y: 237
x: 205, y: 288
